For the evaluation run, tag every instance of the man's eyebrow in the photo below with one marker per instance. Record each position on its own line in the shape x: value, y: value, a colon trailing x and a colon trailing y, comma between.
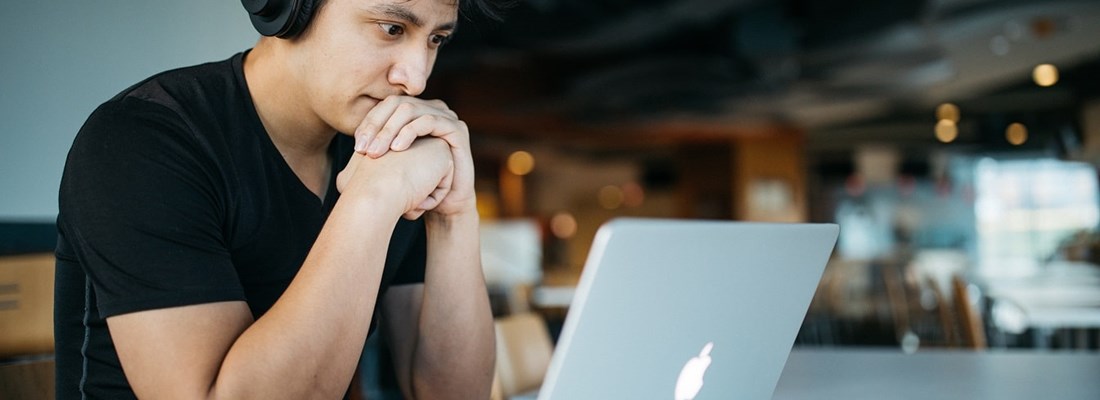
x: 403, y: 14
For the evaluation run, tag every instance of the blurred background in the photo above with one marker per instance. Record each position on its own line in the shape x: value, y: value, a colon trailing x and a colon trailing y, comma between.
x: 955, y: 142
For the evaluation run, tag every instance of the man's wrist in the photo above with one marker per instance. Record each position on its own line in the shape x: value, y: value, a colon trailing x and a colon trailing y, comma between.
x: 374, y: 201
x: 448, y: 222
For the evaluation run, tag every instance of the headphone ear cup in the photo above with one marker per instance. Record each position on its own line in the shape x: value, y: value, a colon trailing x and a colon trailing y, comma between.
x: 301, y: 18
x: 280, y: 18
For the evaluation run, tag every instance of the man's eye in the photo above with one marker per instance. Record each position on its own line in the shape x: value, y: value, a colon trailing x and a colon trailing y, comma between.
x: 440, y: 40
x: 391, y: 29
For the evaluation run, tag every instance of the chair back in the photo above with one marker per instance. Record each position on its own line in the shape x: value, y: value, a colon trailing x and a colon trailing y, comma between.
x: 28, y: 379
x: 970, y: 320
x: 26, y: 305
x: 523, y: 353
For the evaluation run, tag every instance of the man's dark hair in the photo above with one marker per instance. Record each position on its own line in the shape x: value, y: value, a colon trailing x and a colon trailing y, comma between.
x: 490, y: 8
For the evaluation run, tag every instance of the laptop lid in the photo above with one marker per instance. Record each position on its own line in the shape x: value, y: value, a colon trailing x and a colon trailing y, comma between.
x: 687, y: 309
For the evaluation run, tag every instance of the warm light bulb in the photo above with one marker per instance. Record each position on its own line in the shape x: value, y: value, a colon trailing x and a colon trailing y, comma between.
x: 946, y: 131
x: 1045, y: 75
x: 1016, y: 133
x: 947, y: 111
x: 521, y: 163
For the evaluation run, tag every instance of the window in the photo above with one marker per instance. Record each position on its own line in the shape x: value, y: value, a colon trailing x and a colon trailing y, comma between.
x: 1025, y: 208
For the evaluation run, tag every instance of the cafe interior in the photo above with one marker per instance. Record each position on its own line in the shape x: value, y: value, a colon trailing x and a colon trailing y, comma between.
x: 956, y: 143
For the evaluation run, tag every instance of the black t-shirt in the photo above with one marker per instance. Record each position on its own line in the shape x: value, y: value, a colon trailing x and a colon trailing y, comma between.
x: 173, y: 194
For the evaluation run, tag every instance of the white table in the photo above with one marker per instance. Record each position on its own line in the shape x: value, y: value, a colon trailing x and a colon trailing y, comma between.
x: 553, y: 296
x: 1052, y: 307
x: 1062, y: 296
x: 942, y: 375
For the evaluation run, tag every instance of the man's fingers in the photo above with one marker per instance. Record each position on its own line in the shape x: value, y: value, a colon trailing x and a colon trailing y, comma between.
x: 442, y: 106
x: 382, y: 128
x: 437, y: 195
x: 408, y: 122
x: 374, y: 121
x: 401, y: 116
x: 413, y: 215
x: 423, y: 125
x: 429, y: 203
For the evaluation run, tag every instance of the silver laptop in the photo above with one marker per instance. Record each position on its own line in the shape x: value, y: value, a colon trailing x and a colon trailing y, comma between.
x: 687, y: 310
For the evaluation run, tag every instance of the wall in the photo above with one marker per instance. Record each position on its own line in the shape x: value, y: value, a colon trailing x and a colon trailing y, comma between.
x: 61, y: 59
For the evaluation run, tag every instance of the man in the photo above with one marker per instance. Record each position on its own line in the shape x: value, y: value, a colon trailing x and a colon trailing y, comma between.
x: 209, y: 249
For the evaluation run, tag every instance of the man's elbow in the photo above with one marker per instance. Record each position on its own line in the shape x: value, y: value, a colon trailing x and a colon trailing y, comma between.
x: 471, y: 382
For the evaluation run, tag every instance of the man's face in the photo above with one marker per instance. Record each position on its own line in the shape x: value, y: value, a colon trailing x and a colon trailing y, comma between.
x: 357, y: 52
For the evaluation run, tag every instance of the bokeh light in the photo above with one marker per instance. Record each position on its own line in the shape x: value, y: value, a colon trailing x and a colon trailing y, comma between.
x: 521, y: 163
x: 1045, y: 75
x: 563, y: 225
x: 946, y: 131
x: 610, y: 197
x: 1016, y: 133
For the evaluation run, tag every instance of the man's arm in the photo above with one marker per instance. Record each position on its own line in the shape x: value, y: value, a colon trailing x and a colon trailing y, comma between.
x: 447, y: 350
x: 441, y: 332
x: 308, y: 344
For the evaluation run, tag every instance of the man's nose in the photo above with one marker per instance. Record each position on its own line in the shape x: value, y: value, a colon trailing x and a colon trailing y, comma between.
x: 410, y: 71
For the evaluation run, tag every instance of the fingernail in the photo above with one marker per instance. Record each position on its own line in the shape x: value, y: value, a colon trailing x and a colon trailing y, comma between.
x: 398, y: 144
x: 360, y: 144
x: 376, y: 148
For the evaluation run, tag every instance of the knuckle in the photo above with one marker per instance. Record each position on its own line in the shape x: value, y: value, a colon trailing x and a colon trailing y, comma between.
x: 391, y: 99
x: 376, y: 121
x: 370, y: 126
x: 385, y: 134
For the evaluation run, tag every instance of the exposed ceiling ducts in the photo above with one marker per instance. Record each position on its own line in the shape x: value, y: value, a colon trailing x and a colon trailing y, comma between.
x: 815, y: 65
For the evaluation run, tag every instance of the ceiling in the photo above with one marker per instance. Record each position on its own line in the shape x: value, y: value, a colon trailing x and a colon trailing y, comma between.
x: 849, y: 69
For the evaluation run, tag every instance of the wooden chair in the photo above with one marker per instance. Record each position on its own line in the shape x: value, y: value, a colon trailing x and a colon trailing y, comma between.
x: 972, y: 331
x: 26, y: 327
x: 497, y: 392
x: 31, y: 378
x: 898, y: 297
x: 945, y: 314
x: 523, y: 353
x: 904, y: 291
x: 26, y: 305
x: 920, y: 308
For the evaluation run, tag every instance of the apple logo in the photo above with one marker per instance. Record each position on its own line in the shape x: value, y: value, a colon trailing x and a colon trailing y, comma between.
x: 691, y: 377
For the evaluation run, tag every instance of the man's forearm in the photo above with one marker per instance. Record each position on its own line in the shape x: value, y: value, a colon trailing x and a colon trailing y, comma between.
x: 309, y: 343
x: 455, y: 353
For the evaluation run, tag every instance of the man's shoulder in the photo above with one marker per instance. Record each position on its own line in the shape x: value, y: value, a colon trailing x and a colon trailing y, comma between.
x: 197, y: 111
x: 200, y: 99
x: 181, y: 84
x: 188, y: 89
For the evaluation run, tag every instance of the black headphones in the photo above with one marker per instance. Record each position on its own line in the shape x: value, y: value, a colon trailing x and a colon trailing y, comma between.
x: 280, y: 18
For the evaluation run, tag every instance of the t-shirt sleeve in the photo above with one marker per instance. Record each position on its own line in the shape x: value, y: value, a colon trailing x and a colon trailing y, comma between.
x: 139, y: 200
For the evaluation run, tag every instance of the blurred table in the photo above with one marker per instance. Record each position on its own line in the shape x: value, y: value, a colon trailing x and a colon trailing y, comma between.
x: 942, y: 375
x: 552, y: 296
x: 1064, y: 295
